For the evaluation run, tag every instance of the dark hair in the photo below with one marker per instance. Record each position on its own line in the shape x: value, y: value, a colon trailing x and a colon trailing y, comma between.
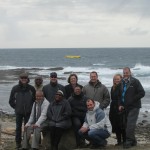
x: 78, y: 86
x: 90, y: 100
x: 94, y: 72
x: 71, y: 75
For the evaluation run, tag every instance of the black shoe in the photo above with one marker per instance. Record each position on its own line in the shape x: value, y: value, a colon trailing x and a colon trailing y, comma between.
x: 94, y: 146
x: 18, y: 146
x: 119, y: 144
x: 134, y: 143
x: 127, y: 145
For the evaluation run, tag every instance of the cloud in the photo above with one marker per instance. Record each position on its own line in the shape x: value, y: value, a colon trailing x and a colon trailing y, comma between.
x: 84, y: 23
x: 136, y: 31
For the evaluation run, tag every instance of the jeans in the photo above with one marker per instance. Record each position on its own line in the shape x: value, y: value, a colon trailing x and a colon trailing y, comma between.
x: 19, y: 120
x: 96, y: 136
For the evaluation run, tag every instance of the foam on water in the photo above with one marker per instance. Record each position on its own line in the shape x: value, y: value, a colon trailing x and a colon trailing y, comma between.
x: 140, y: 71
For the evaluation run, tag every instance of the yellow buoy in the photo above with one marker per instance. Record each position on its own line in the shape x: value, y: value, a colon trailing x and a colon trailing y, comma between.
x: 72, y: 56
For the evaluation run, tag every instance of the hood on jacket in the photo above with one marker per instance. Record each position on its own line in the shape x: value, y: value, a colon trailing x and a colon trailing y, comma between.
x: 97, y: 104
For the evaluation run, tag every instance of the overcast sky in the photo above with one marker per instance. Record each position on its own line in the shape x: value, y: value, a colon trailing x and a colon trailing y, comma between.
x: 74, y: 23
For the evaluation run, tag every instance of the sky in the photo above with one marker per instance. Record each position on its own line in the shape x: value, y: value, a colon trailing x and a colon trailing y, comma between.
x: 74, y: 23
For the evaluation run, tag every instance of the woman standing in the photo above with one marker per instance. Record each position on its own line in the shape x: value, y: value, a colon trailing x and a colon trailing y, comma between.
x: 116, y: 117
x: 72, y: 80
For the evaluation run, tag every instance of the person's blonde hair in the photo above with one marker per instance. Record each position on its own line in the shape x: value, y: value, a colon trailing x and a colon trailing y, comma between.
x: 114, y: 85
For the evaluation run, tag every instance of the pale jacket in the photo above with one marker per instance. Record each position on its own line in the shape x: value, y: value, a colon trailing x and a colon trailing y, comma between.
x: 43, y: 115
x: 97, y: 119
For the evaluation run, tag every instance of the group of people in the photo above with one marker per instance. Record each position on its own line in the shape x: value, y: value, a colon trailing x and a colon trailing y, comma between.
x: 56, y: 108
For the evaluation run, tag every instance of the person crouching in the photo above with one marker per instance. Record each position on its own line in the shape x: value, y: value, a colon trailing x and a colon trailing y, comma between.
x: 96, y: 127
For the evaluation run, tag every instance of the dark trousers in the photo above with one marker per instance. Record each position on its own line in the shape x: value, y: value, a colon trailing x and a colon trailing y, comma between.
x: 77, y: 123
x: 121, y: 135
x: 19, y: 120
x: 132, y: 116
x: 55, y: 136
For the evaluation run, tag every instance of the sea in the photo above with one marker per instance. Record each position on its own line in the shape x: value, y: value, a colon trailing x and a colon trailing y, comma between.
x: 42, y: 61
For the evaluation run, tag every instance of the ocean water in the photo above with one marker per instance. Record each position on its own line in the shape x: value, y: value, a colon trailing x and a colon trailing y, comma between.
x: 106, y: 61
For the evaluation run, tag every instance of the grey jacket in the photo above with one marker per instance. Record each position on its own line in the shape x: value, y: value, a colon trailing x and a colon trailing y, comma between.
x: 43, y: 115
x: 99, y: 93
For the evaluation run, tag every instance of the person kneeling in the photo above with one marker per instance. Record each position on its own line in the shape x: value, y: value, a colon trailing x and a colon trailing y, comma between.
x: 96, y: 127
x: 37, y: 122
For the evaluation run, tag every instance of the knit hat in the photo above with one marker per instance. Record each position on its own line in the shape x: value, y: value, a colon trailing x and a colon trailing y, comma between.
x: 60, y: 92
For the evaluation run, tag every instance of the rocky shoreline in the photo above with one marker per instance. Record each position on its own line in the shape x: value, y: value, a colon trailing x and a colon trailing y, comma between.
x: 8, y: 120
x: 7, y: 123
x: 10, y: 75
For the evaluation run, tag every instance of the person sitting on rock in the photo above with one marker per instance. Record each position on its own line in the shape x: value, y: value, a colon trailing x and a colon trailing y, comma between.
x: 37, y: 122
x: 59, y: 116
x: 96, y: 127
x: 78, y: 105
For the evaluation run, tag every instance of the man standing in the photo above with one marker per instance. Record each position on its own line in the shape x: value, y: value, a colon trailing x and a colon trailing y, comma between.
x: 132, y: 92
x: 38, y: 83
x: 21, y: 99
x: 50, y: 89
x: 96, y: 127
x: 36, y: 122
x: 97, y: 91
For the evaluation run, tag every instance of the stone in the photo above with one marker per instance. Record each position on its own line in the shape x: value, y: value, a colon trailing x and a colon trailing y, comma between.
x: 67, y: 142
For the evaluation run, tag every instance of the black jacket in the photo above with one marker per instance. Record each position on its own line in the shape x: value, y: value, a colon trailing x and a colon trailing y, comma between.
x: 59, y: 114
x: 133, y: 94
x: 22, y: 98
x: 114, y: 114
x: 50, y: 90
x: 78, y: 105
x: 69, y: 90
x: 115, y: 98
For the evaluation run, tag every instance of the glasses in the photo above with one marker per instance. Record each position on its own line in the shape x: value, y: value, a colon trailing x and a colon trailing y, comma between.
x: 59, y: 94
x: 23, y: 78
x: 53, y: 77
